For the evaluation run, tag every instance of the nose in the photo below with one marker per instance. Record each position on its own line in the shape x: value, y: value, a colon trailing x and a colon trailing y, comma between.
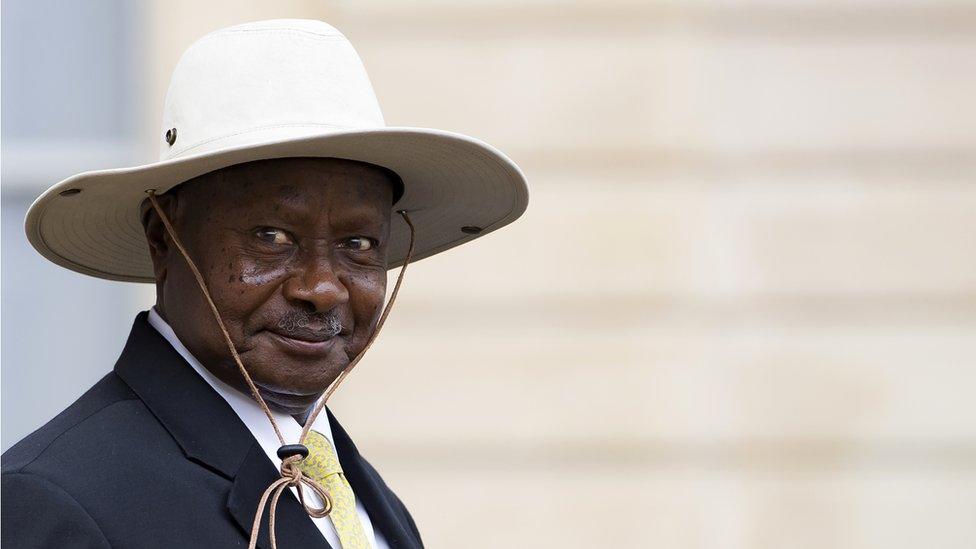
x: 316, y: 282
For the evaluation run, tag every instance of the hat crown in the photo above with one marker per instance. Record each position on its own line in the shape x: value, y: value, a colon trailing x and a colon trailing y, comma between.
x: 253, y: 81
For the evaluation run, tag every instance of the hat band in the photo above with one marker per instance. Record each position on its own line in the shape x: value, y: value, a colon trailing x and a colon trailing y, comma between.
x: 254, y: 136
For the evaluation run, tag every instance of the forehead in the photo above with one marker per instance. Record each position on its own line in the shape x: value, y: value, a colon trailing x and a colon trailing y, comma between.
x: 311, y: 186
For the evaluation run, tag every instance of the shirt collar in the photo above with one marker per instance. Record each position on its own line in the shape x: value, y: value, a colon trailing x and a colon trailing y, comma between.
x: 243, y: 405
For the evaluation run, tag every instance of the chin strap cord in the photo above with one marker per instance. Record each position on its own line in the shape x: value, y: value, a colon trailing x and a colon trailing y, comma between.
x: 291, y: 473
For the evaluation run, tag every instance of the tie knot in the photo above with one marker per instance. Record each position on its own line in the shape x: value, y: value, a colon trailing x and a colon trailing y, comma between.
x: 322, y: 460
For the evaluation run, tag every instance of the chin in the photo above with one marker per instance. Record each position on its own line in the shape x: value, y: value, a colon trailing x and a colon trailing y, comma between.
x: 288, y: 403
x: 290, y: 383
x: 301, y: 388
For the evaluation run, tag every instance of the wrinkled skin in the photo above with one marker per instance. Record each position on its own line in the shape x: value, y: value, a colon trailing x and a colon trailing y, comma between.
x: 293, y: 252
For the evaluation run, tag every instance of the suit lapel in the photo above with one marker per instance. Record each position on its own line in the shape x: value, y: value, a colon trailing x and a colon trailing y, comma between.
x: 210, y: 433
x: 294, y: 528
x: 371, y: 491
x: 198, y: 419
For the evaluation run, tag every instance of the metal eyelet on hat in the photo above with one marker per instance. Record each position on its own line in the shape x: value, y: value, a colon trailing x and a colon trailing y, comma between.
x: 470, y: 229
x: 171, y: 136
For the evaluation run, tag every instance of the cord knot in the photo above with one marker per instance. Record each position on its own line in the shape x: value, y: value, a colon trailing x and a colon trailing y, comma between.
x: 291, y: 470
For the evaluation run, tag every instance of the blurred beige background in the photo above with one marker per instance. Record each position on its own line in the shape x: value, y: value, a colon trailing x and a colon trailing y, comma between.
x: 740, y: 311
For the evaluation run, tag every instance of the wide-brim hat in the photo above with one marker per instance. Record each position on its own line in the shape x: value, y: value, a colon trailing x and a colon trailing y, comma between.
x: 277, y: 89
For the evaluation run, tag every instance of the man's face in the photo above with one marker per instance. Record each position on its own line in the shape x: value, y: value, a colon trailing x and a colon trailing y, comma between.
x: 293, y: 252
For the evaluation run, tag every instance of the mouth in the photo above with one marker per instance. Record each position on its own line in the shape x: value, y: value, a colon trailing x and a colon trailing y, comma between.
x: 304, y: 341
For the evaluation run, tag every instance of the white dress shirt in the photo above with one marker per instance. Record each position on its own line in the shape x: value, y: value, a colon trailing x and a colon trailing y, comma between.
x: 254, y: 419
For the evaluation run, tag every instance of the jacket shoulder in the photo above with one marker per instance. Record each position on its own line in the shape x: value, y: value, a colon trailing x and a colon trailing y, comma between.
x: 38, y: 513
x: 108, y: 392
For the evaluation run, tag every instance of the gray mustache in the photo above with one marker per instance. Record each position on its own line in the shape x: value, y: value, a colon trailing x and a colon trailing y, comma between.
x: 326, y: 324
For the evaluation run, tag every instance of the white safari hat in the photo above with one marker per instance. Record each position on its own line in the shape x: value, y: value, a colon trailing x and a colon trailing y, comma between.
x: 274, y: 89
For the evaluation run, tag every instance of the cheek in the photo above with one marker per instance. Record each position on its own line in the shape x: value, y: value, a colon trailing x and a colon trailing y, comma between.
x: 257, y: 274
x: 366, y: 293
x: 240, y: 286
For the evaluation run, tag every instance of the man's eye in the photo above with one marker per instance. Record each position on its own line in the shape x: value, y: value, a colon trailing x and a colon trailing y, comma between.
x: 272, y: 235
x: 359, y: 243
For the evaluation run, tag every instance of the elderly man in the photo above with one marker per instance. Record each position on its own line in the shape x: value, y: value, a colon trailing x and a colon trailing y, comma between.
x: 268, y: 225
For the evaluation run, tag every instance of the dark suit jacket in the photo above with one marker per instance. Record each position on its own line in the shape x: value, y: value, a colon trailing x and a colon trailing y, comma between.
x: 152, y: 456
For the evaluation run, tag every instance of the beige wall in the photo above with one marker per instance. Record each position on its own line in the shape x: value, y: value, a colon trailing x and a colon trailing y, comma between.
x: 741, y: 309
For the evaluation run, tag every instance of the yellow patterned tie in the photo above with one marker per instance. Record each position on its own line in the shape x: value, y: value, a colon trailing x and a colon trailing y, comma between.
x: 322, y: 464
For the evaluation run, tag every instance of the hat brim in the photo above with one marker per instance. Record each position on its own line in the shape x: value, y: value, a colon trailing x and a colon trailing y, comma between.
x: 90, y: 222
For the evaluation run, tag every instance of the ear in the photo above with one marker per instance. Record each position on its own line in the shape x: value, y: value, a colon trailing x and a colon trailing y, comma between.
x: 160, y: 245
